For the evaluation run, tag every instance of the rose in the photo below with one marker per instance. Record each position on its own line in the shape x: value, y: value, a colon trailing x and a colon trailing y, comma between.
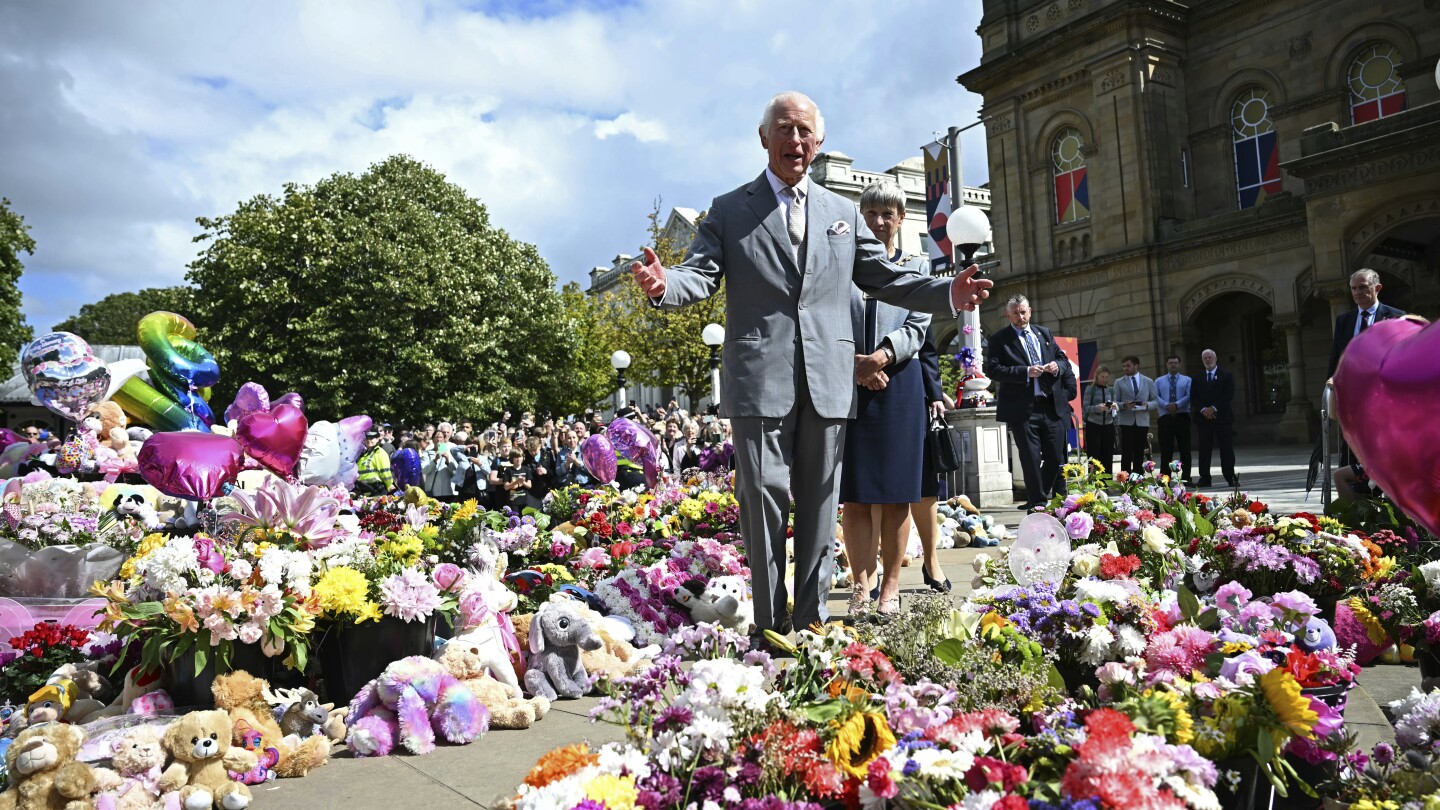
x: 1155, y: 539
x: 1085, y: 565
x: 447, y: 576
x: 1079, y: 525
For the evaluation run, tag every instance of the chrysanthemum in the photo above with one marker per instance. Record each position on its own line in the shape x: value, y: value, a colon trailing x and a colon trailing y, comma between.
x: 342, y: 590
x: 409, y: 595
x: 560, y: 763
x: 614, y: 792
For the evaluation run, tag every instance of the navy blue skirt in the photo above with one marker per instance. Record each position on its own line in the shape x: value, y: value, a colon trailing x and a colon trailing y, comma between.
x: 885, y: 442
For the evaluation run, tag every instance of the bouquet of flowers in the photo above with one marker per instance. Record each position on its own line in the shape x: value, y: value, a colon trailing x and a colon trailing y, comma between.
x: 644, y: 596
x: 361, y: 578
x: 193, y: 595
x: 1403, y: 776
x: 35, y: 655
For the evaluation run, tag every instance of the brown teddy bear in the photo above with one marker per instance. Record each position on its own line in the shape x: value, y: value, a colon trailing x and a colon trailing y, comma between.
x: 44, y: 774
x: 246, y: 698
x: 508, y: 708
x: 137, y: 760
x: 199, y: 742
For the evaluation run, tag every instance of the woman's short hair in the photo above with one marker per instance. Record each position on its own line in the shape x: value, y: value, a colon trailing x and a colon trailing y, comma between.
x: 1102, y: 370
x: 883, y: 194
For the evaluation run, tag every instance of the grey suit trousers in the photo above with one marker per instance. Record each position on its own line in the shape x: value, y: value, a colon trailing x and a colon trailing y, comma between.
x: 801, y: 451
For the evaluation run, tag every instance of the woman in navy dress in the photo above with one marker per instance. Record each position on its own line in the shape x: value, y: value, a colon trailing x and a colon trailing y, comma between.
x: 885, y: 442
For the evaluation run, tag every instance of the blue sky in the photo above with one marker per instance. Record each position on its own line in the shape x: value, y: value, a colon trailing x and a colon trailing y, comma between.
x: 125, y: 122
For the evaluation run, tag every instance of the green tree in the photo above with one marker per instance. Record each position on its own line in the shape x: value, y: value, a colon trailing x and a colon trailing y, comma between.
x: 114, y: 318
x: 664, y: 344
x: 390, y: 293
x: 14, y: 237
x: 591, y: 379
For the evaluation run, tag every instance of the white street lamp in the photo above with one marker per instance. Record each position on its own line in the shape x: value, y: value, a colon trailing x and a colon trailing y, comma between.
x: 714, y: 337
x: 620, y: 361
x: 969, y: 230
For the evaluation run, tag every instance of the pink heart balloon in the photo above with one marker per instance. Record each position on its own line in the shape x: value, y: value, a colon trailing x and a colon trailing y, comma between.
x: 1386, y: 386
x: 292, y: 399
x: 191, y: 465
x: 274, y: 439
x: 252, y: 396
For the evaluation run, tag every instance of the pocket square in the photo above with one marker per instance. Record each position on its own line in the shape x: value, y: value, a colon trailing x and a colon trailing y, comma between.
x: 840, y: 228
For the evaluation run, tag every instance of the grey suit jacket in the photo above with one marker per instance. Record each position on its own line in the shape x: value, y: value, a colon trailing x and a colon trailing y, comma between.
x: 1124, y: 391
x: 783, y: 321
x: 904, y: 329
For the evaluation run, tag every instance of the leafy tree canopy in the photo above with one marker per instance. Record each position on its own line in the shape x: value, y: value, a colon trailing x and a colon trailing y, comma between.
x: 388, y: 293
x: 14, y: 238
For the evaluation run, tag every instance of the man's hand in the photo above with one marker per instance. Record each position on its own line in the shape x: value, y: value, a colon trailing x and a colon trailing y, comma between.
x: 1170, y: 407
x: 966, y: 291
x: 1035, y: 371
x: 1051, y: 367
x: 868, y: 365
x: 878, y: 382
x: 937, y: 410
x: 651, y: 275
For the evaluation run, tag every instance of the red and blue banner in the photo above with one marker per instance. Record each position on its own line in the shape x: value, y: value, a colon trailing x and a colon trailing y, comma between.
x: 1072, y: 196
x: 1257, y: 168
x: 938, y: 205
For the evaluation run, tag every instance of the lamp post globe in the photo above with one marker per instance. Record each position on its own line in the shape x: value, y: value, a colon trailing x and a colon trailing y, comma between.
x: 968, y: 229
x: 620, y: 361
x: 714, y: 336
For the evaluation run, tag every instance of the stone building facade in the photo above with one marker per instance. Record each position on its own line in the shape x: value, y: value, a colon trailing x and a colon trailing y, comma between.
x: 1173, y: 176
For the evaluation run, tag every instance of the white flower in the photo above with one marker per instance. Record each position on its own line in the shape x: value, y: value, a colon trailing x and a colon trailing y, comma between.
x: 241, y: 570
x: 1155, y: 539
x: 979, y: 563
x: 983, y: 800
x: 1085, y: 565
x: 939, y: 764
x: 1097, y: 645
x: 1431, y: 572
x: 1102, y: 591
x: 1132, y: 642
x: 250, y: 633
x: 618, y: 758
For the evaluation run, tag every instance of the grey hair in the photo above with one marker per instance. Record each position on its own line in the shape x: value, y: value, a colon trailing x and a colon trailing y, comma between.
x: 883, y: 194
x: 1367, y: 275
x: 1015, y: 301
x: 768, y: 118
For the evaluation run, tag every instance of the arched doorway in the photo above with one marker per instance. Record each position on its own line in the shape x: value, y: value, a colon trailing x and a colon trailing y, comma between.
x: 1239, y: 327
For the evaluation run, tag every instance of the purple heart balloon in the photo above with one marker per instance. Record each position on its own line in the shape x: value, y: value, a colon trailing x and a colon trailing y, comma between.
x: 599, y: 456
x: 652, y: 471
x: 292, y: 399
x: 633, y: 441
x: 252, y: 396
x: 191, y: 465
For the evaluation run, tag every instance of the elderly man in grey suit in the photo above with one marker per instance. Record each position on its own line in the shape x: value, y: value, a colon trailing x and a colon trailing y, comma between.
x: 792, y: 250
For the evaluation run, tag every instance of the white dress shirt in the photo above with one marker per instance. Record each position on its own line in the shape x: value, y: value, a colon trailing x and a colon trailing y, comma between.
x: 779, y: 186
x: 1360, y: 318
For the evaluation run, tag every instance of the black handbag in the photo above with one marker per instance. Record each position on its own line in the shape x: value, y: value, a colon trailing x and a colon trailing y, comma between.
x: 942, y: 442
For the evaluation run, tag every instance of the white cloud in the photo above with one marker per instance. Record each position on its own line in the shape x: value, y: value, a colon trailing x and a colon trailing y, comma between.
x: 124, y: 123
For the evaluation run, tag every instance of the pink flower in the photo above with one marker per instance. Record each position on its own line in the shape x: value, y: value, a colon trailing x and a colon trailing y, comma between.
x: 409, y: 596
x: 595, y: 558
x: 448, y: 576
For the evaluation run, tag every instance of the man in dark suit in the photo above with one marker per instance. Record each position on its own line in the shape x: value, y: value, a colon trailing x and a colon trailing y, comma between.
x: 1036, y: 382
x: 1211, y: 394
x: 1365, y: 290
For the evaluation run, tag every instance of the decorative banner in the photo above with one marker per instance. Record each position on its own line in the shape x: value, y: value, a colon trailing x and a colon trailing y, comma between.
x: 1071, y: 347
x: 937, y: 204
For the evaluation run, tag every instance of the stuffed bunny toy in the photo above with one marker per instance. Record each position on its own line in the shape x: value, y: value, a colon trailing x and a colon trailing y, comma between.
x: 558, y: 633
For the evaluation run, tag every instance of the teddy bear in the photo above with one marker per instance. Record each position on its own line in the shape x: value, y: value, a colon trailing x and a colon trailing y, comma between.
x: 249, y: 701
x: 558, y: 634
x: 44, y: 773
x: 409, y: 704
x: 724, y: 601
x: 199, y: 744
x: 735, y: 588
x: 507, y: 706
x: 132, y: 782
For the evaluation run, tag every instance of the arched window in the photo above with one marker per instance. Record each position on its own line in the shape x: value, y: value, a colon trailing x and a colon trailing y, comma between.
x: 1376, y: 89
x: 1072, y: 188
x: 1257, y: 159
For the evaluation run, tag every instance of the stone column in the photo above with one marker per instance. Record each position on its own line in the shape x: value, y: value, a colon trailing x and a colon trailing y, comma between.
x: 1295, y: 424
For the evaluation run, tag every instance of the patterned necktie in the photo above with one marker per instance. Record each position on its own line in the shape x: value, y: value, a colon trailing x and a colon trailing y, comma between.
x: 1172, y: 387
x: 1364, y: 320
x: 795, y: 216
x: 1032, y: 349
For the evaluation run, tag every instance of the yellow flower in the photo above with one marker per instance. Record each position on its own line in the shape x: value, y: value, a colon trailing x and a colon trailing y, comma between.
x: 858, y: 741
x: 615, y: 792
x: 1373, y: 628
x: 1383, y: 568
x: 1283, y: 693
x: 304, y: 622
x: 342, y: 590
x: 182, y: 614
x: 991, y: 624
x: 369, y: 612
x: 1184, y: 730
x: 1234, y: 647
x: 467, y: 510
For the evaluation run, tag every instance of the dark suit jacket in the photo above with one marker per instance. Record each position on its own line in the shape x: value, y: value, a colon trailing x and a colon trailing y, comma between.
x: 930, y: 365
x: 1219, y: 395
x: 1008, y: 365
x: 1345, y: 330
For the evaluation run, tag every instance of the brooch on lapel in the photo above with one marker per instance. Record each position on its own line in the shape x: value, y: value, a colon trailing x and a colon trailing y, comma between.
x: 840, y: 228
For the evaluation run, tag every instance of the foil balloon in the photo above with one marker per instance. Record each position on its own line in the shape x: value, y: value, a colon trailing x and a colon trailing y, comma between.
x: 274, y: 438
x: 181, y: 372
x: 1386, y: 384
x: 63, y: 374
x: 191, y: 465
x: 405, y: 466
x: 352, y: 430
x: 292, y: 399
x: 1041, y: 552
x: 598, y: 454
x: 252, y: 396
x: 9, y: 437
x: 633, y: 441
x: 16, y: 454
x: 320, y: 458
x: 651, y: 467
x: 121, y: 372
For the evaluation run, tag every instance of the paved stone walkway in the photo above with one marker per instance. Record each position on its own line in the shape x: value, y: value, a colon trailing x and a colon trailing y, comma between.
x: 487, y: 770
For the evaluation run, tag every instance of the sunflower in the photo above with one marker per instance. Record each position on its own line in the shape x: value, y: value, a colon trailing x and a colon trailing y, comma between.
x: 858, y: 741
x: 1290, y: 705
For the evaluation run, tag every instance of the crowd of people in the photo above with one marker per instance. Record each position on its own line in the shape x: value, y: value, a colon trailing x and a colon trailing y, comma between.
x: 516, y: 462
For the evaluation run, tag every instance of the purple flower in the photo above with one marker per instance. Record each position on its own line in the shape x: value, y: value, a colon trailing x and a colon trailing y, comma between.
x: 409, y: 596
x: 1293, y: 607
x: 1249, y: 662
x: 1079, y: 525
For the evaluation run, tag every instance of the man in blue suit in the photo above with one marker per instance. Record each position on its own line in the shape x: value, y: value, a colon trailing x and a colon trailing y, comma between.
x: 1174, y: 390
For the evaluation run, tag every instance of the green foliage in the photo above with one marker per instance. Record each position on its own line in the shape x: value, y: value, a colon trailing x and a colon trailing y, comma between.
x: 664, y: 344
x: 388, y: 293
x: 592, y: 378
x: 114, y: 318
x: 14, y: 237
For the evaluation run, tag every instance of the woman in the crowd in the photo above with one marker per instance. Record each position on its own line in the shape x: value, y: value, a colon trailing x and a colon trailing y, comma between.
x: 1100, y: 410
x: 443, y: 465
x: 885, y: 442
x: 932, y: 485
